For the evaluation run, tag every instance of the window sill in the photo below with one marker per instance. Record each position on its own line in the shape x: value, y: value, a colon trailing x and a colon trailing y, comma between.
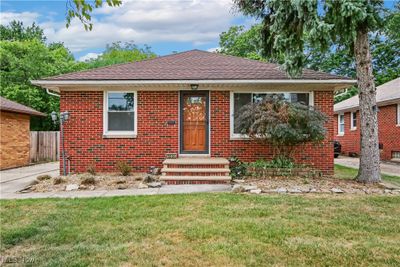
x: 238, y: 137
x: 353, y: 129
x: 111, y: 136
x: 398, y: 125
x: 340, y: 134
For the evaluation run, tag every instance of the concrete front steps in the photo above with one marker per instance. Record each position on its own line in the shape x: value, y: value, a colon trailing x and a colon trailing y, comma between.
x: 196, y: 171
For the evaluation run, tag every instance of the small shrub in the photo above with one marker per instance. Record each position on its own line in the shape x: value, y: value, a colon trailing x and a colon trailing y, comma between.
x: 237, y: 167
x: 58, y: 180
x: 88, y: 180
x: 91, y: 169
x: 124, y: 168
x: 43, y: 177
x: 282, y: 162
x: 149, y: 179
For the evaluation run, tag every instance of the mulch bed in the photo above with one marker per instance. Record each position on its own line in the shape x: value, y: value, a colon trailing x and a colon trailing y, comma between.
x: 101, y: 182
x: 314, y: 185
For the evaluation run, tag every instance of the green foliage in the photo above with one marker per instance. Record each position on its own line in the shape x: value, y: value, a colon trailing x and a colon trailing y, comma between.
x: 242, y: 43
x: 24, y: 57
x: 16, y: 31
x: 281, y: 124
x: 124, y: 168
x: 279, y: 161
x: 82, y: 9
x: 22, y: 61
x: 291, y: 28
x: 237, y: 167
x: 121, y: 53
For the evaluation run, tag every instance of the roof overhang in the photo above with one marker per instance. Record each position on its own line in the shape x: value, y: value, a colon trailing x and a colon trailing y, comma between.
x: 381, y: 103
x: 56, y: 85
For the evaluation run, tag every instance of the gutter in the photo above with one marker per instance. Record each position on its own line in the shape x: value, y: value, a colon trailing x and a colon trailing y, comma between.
x: 128, y: 82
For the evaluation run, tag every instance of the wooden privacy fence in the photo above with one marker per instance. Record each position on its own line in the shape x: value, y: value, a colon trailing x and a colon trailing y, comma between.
x: 45, y: 146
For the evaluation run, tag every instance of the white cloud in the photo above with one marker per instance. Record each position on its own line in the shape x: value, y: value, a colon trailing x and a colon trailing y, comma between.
x: 26, y: 17
x: 213, y: 49
x: 147, y: 21
x: 89, y: 56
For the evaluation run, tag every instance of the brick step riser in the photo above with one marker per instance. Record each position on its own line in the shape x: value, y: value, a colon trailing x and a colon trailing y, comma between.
x: 195, y: 182
x: 196, y: 173
x: 194, y: 166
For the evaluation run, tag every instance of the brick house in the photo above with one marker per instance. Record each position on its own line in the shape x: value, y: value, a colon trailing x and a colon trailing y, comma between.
x: 346, y: 122
x: 181, y: 105
x: 15, y: 133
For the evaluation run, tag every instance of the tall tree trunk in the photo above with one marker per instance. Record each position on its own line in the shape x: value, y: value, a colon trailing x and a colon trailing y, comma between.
x: 369, y: 171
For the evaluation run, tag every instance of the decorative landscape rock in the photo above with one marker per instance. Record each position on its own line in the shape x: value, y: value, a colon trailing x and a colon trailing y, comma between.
x: 295, y: 191
x: 337, y: 190
x: 255, y: 191
x: 122, y: 186
x: 281, y: 190
x: 143, y: 186
x: 154, y: 184
x: 237, y: 188
x: 71, y: 187
x: 250, y: 187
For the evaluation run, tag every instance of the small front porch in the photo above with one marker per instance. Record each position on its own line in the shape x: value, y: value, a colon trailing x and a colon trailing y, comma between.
x: 196, y: 170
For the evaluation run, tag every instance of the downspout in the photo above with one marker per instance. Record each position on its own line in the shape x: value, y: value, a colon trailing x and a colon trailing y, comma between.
x: 51, y: 93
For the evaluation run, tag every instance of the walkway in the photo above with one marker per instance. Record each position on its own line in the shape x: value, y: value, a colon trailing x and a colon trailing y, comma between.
x: 13, y: 180
x: 386, y: 167
x: 166, y: 189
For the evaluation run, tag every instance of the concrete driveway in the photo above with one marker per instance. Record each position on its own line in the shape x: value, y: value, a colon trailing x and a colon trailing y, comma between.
x: 16, y: 179
x: 386, y: 167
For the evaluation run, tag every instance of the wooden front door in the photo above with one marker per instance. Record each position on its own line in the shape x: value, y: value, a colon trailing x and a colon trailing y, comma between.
x: 194, y: 122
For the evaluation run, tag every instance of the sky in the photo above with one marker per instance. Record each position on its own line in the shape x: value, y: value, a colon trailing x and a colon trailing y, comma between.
x: 164, y: 25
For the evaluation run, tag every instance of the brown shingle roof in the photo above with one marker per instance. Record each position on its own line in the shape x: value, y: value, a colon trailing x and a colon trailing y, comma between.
x: 8, y: 105
x: 386, y: 94
x: 192, y: 65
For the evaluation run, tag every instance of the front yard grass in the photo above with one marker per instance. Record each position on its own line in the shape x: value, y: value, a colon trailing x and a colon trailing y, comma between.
x: 343, y: 172
x: 204, y: 230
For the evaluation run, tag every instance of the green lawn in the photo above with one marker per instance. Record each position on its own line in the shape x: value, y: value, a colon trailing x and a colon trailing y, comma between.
x: 343, y: 172
x: 204, y: 230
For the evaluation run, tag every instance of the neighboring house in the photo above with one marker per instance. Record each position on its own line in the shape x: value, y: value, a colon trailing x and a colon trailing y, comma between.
x: 183, y: 106
x: 347, y: 122
x: 15, y: 133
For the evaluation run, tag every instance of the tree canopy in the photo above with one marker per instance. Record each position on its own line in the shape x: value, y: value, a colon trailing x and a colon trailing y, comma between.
x: 337, y: 59
x: 25, y: 56
x: 293, y: 28
x: 119, y: 52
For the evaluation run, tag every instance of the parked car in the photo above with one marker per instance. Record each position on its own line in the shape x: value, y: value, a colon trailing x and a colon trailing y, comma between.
x: 337, y: 148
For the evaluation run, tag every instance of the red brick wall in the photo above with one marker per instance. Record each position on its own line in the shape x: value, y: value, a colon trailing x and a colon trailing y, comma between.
x: 319, y: 155
x: 84, y: 140
x: 389, y: 133
x: 86, y: 146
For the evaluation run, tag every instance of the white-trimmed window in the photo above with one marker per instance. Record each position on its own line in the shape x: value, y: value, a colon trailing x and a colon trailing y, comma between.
x: 341, y: 124
x: 240, y: 99
x: 353, y: 120
x: 120, y: 113
x: 398, y: 114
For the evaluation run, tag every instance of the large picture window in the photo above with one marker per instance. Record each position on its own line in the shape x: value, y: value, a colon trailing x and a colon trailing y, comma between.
x: 120, y: 116
x: 238, y: 100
